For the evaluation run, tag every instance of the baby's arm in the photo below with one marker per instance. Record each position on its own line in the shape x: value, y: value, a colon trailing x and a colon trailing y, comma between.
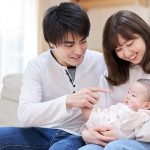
x: 86, y: 112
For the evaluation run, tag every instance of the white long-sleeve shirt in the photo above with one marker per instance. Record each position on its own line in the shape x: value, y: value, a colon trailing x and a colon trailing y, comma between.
x: 45, y: 87
x: 123, y: 119
x: 118, y: 93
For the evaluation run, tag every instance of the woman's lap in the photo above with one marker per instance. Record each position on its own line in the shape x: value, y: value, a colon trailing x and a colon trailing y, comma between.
x: 122, y: 144
x: 91, y: 147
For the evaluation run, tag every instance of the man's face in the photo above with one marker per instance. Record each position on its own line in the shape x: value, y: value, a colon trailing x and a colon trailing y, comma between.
x: 71, y: 51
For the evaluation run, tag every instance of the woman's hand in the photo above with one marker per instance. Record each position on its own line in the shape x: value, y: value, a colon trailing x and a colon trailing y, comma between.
x: 110, y: 133
x: 97, y: 135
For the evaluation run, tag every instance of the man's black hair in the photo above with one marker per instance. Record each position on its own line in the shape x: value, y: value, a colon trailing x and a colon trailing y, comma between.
x: 63, y: 19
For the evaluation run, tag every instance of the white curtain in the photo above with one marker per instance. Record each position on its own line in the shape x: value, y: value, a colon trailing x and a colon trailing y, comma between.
x: 18, y: 35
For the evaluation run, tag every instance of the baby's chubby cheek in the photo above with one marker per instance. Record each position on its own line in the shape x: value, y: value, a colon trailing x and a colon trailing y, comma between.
x: 133, y: 106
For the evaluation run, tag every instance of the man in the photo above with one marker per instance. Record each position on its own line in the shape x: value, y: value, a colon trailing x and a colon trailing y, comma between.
x: 56, y: 85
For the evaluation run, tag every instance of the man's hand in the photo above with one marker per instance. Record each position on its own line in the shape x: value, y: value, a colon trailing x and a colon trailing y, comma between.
x: 94, y: 136
x: 84, y: 98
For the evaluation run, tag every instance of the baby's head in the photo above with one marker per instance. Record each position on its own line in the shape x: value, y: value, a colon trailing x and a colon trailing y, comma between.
x: 138, y: 96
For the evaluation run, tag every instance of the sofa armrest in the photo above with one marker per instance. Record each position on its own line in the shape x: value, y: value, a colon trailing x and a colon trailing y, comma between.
x: 11, y: 87
x: 9, y: 99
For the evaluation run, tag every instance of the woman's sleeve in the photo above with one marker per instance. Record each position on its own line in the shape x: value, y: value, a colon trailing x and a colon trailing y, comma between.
x: 104, y: 97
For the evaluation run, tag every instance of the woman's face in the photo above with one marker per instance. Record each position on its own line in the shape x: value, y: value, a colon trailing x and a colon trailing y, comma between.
x: 131, y: 50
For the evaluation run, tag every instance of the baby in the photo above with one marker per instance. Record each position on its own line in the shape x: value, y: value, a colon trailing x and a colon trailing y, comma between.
x: 127, y: 117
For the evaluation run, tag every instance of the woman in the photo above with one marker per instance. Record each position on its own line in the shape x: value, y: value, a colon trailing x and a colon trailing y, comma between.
x: 126, y: 49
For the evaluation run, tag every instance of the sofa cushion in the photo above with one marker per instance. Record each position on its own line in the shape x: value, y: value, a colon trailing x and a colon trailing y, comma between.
x: 8, y: 113
x: 11, y: 87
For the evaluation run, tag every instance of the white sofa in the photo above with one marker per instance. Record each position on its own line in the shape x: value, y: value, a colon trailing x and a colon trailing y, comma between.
x: 9, y: 99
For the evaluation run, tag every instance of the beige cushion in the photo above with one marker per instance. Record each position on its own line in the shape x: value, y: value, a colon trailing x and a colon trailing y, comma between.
x: 11, y: 87
x: 8, y: 113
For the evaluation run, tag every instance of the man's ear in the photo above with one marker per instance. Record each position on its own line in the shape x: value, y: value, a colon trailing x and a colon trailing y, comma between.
x: 146, y: 105
x: 51, y: 45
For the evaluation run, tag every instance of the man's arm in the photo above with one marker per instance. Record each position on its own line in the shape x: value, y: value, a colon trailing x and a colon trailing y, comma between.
x: 33, y: 111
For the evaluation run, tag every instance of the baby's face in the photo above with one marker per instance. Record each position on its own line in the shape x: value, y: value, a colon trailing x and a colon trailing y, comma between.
x: 137, y: 96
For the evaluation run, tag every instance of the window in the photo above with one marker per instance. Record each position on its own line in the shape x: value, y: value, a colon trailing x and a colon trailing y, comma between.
x: 18, y: 35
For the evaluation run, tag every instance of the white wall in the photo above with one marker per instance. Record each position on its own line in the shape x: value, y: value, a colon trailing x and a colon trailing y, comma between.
x: 98, y: 17
x: 57, y: 2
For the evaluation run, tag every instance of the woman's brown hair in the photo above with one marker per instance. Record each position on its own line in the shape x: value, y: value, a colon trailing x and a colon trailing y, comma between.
x: 126, y: 24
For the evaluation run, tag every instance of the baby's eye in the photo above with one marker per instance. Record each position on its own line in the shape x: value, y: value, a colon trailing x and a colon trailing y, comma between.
x: 133, y: 95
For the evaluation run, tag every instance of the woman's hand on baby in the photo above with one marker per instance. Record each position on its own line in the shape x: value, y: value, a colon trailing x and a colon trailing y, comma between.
x: 95, y: 136
x: 110, y: 133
